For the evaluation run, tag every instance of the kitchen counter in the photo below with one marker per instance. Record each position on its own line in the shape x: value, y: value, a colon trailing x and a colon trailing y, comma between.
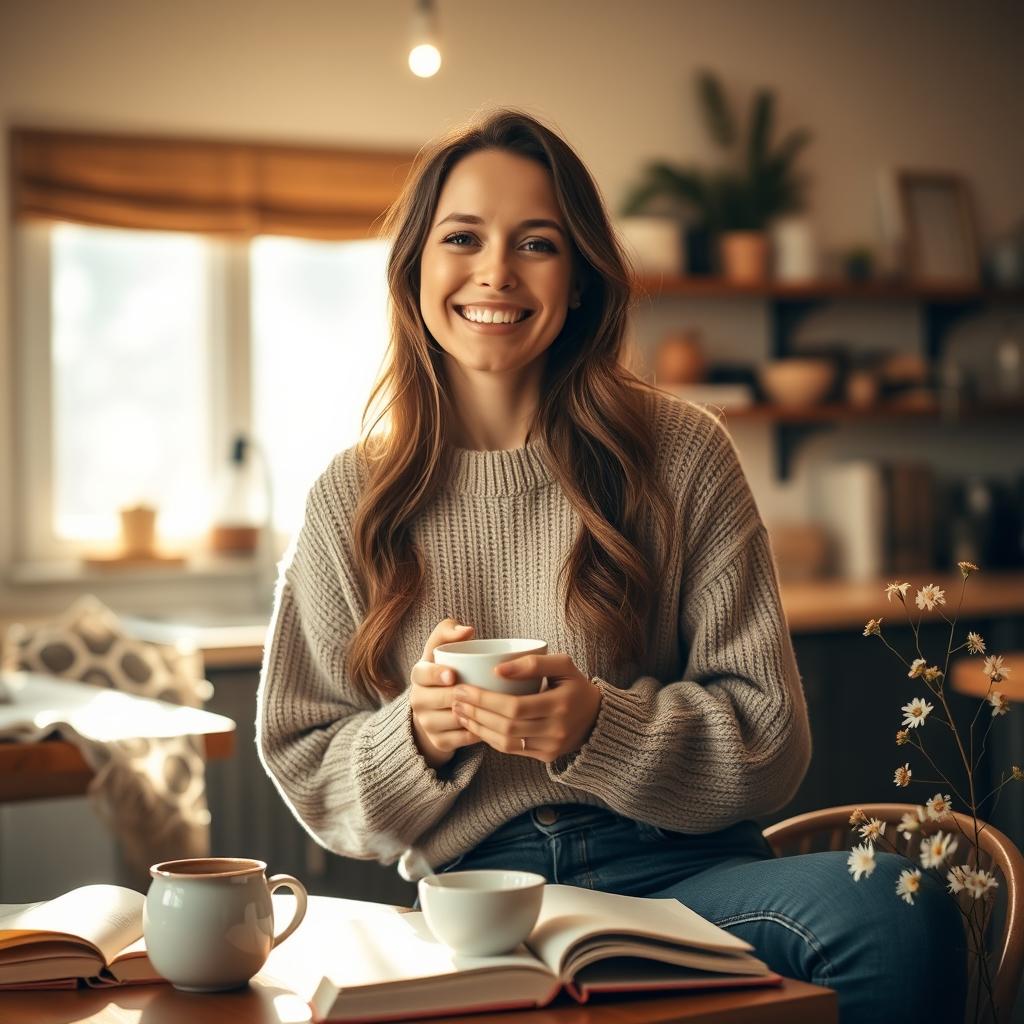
x: 236, y: 640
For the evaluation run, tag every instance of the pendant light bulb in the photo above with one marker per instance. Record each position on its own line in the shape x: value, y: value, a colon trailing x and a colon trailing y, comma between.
x: 424, y: 54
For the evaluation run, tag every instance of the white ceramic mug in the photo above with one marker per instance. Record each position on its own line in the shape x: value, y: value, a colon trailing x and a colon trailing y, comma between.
x: 209, y: 921
x: 482, y: 912
x: 474, y: 662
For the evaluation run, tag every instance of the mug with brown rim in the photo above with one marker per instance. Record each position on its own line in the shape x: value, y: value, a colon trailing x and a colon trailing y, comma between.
x: 209, y: 921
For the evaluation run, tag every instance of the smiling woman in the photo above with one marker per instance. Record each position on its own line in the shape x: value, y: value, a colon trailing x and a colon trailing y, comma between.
x: 529, y: 484
x: 508, y: 278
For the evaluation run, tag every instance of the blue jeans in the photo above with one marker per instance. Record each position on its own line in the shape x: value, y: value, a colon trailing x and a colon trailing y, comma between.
x: 804, y: 915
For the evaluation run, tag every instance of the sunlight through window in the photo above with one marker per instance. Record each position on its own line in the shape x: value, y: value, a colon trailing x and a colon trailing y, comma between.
x: 130, y: 386
x: 319, y: 328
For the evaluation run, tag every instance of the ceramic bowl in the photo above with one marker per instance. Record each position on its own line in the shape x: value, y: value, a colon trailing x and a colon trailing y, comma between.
x: 798, y: 382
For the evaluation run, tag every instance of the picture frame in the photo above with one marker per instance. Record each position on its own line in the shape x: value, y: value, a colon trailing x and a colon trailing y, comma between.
x: 939, y: 229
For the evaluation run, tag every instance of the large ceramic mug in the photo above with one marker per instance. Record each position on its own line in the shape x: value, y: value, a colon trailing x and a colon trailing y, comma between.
x: 209, y: 921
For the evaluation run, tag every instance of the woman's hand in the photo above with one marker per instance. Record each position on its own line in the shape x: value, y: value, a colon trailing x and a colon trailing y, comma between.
x: 438, y: 734
x: 555, y: 722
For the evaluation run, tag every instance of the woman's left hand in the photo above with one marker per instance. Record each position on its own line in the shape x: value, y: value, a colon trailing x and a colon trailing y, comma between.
x: 555, y: 722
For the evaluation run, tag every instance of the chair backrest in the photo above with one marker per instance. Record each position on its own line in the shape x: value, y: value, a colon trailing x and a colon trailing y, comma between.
x: 830, y: 829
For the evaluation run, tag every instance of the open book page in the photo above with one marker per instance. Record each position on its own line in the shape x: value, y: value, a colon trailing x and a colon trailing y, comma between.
x: 106, y: 918
x: 570, y: 916
x: 395, y: 966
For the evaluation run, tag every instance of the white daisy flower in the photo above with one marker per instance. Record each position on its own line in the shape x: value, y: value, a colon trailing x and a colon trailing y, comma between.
x: 938, y: 806
x: 902, y: 775
x: 955, y: 877
x: 916, y: 667
x: 910, y: 823
x: 861, y: 861
x: 873, y: 627
x: 930, y: 596
x: 979, y: 883
x: 975, y: 643
x: 1000, y: 703
x: 935, y: 849
x: 995, y: 669
x: 873, y: 829
x: 908, y: 884
x: 916, y: 712
x: 966, y: 568
x: 899, y: 589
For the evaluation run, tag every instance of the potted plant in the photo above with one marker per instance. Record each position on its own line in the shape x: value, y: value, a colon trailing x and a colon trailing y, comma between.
x: 735, y: 203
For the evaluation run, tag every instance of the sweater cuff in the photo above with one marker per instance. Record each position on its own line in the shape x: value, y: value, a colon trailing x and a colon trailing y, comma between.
x: 611, y: 747
x: 401, y: 794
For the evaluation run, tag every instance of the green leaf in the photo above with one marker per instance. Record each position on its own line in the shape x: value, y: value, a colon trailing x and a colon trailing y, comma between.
x: 760, y: 129
x: 717, y: 113
x: 791, y: 146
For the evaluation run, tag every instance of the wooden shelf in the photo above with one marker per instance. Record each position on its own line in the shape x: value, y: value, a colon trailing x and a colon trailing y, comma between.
x: 825, y: 605
x: 872, y: 291
x: 850, y: 413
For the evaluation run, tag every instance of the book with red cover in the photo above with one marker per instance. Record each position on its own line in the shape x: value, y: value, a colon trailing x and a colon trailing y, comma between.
x: 584, y: 942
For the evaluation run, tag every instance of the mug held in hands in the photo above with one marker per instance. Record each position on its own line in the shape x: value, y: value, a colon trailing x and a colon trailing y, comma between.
x: 474, y: 662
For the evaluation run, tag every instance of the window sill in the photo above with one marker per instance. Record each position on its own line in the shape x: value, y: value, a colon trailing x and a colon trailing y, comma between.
x: 201, y: 567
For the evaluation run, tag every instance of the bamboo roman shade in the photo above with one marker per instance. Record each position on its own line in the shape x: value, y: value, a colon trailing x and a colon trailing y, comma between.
x: 198, y: 185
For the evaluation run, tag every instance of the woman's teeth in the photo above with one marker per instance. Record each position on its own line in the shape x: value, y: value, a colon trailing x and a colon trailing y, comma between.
x: 490, y: 316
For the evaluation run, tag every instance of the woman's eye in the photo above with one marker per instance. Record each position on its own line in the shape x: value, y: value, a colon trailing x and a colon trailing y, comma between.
x: 545, y: 245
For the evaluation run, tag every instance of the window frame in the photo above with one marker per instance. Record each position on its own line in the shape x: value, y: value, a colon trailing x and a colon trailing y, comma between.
x: 229, y: 381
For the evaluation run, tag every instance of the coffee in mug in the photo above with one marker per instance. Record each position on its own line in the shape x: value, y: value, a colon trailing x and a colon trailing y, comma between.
x: 209, y: 921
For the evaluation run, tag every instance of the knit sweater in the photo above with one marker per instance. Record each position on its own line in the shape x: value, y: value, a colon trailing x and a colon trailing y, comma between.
x: 710, y: 727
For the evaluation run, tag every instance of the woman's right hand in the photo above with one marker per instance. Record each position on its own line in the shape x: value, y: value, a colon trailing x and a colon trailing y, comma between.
x: 437, y: 731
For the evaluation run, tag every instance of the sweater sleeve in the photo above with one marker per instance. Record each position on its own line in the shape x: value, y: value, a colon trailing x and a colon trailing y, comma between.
x: 730, y: 739
x: 348, y: 769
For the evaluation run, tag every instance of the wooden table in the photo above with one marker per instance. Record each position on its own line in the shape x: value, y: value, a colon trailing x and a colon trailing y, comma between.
x: 279, y: 993
x: 268, y: 1002
x: 55, y: 767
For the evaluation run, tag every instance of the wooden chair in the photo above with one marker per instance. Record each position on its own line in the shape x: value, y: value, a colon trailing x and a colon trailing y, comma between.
x: 829, y: 829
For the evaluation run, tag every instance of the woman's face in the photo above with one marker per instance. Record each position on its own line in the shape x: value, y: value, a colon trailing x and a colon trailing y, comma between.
x: 498, y: 245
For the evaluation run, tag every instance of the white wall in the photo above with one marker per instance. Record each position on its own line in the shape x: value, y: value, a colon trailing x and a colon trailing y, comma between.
x: 922, y: 83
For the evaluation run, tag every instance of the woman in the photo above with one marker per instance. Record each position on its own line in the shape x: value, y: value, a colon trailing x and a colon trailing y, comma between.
x: 531, y: 486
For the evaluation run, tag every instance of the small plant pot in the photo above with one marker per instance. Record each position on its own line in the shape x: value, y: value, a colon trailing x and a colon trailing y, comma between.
x: 745, y: 256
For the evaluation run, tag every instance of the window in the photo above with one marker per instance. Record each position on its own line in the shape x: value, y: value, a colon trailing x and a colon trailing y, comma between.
x: 130, y: 382
x: 147, y: 351
x: 319, y: 326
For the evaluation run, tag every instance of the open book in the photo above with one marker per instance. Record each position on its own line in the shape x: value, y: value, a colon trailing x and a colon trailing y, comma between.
x: 584, y: 942
x: 92, y: 934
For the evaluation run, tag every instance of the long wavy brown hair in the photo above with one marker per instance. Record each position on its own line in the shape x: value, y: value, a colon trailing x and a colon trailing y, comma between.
x: 593, y: 422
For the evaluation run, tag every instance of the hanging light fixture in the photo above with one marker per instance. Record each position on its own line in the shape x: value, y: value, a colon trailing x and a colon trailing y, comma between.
x: 424, y: 56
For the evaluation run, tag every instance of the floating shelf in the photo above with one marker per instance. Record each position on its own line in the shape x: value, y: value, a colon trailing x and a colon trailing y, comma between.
x: 870, y: 291
x: 942, y: 307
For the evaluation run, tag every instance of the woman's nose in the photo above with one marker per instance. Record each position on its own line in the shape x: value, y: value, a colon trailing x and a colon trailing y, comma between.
x: 495, y: 269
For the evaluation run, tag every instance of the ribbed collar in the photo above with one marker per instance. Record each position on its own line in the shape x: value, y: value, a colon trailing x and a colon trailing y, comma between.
x: 497, y: 473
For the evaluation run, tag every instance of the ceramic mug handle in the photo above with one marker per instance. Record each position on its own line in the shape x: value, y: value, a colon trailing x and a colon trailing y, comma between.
x: 276, y: 882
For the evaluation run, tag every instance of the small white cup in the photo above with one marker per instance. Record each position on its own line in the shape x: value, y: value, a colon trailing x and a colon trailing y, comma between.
x: 481, y: 913
x: 474, y: 662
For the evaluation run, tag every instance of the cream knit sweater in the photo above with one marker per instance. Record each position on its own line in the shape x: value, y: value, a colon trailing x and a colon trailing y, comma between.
x: 709, y: 728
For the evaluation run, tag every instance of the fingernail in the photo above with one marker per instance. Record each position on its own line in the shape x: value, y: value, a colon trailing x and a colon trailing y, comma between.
x: 448, y: 676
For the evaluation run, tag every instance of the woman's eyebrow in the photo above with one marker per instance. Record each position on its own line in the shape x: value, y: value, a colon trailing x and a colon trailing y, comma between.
x: 534, y: 222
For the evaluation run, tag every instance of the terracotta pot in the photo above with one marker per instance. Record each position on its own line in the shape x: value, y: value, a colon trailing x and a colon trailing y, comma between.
x: 745, y: 256
x: 679, y: 359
